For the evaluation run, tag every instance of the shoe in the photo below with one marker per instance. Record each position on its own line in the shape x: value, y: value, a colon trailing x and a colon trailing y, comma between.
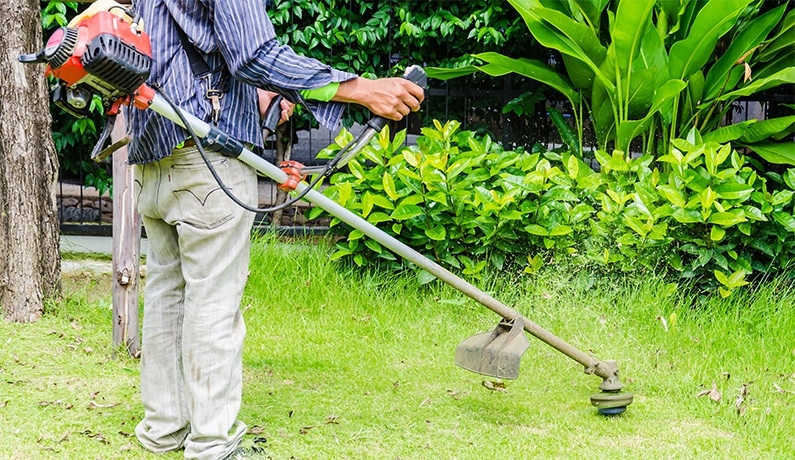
x: 245, y: 453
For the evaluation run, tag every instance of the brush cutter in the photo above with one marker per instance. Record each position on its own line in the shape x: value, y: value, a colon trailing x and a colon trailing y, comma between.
x: 105, y: 52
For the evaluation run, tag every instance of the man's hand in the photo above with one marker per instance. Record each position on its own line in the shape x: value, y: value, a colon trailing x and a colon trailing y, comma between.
x: 265, y: 98
x: 391, y: 98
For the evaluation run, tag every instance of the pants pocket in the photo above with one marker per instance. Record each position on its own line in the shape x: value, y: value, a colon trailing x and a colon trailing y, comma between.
x: 202, y: 202
x: 143, y: 202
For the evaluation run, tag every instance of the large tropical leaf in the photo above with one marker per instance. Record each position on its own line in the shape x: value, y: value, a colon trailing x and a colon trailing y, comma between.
x: 712, y: 21
x: 531, y: 69
x: 766, y: 129
x: 649, y: 72
x: 745, y: 42
x: 498, y: 65
x: 753, y: 131
x: 629, y: 28
x: 555, y: 30
x: 782, y: 61
x: 591, y: 11
x: 779, y: 153
x: 728, y: 133
x: 662, y: 101
x: 783, y: 40
x: 783, y: 77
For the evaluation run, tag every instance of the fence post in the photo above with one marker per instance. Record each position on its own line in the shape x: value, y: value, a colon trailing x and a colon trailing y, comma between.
x: 126, y: 248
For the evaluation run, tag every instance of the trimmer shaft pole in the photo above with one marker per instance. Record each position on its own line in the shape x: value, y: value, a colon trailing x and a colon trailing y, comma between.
x: 605, y: 369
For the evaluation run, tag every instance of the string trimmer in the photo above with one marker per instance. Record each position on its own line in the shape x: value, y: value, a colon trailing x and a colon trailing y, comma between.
x: 105, y: 52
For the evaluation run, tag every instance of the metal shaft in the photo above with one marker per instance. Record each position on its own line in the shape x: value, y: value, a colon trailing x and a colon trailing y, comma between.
x: 591, y: 364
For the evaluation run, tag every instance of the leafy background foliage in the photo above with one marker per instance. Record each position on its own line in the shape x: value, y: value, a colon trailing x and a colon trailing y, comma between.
x: 704, y: 212
x: 648, y: 71
x: 383, y: 38
x: 690, y: 202
x: 75, y: 137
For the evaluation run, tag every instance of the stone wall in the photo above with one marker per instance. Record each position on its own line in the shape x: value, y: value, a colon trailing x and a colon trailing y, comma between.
x: 83, y: 205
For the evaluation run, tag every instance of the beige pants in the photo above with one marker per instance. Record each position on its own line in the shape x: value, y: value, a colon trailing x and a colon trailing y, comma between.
x: 196, y: 269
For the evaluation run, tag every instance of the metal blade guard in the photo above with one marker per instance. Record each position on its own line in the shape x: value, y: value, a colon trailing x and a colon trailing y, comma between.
x: 496, y: 353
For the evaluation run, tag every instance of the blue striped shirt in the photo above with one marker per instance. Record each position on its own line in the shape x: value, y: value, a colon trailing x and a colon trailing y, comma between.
x: 237, y: 38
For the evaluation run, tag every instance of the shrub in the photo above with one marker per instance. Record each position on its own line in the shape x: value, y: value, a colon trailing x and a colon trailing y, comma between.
x: 704, y: 211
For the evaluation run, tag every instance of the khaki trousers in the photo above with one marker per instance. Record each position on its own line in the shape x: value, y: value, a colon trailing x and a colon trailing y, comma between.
x: 196, y: 270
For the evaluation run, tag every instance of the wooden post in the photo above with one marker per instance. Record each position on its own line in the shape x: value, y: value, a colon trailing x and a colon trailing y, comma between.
x: 126, y: 248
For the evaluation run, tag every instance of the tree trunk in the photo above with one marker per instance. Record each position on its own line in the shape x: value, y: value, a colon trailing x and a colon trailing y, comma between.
x: 29, y: 231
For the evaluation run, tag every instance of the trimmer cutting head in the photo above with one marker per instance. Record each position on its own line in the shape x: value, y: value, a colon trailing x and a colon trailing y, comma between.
x: 611, y: 403
x: 496, y: 353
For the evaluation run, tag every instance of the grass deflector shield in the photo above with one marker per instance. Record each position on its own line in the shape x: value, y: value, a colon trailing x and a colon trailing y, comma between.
x: 118, y: 63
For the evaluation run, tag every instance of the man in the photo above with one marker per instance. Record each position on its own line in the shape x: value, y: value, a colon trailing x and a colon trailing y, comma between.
x: 191, y: 365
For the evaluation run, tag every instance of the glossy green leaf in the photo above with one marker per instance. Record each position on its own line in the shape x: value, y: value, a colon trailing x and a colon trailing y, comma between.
x: 748, y: 39
x: 734, y: 191
x: 783, y: 77
x: 782, y: 153
x: 631, y: 21
x: 437, y: 233
x: 786, y: 219
x: 712, y: 22
x: 405, y: 212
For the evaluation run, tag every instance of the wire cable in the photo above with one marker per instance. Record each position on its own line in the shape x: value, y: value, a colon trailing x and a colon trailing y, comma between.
x: 319, y: 177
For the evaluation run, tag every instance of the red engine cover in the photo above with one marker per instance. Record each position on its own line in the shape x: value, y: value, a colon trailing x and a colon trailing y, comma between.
x: 72, y: 71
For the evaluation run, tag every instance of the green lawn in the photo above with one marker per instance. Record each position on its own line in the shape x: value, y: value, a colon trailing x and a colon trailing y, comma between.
x: 341, y: 364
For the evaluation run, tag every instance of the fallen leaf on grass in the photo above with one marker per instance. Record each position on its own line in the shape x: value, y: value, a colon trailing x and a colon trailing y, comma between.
x: 96, y: 436
x: 58, y: 402
x: 332, y: 420
x: 255, y: 430
x: 664, y: 322
x: 93, y: 405
x: 306, y: 429
x: 3, y: 403
x: 493, y: 386
x: 61, y: 439
x: 741, y: 397
x: 126, y: 447
x: 714, y: 393
x: 775, y: 386
x: 454, y: 394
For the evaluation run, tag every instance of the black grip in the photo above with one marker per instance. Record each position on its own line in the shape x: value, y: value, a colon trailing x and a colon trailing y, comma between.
x: 414, y: 74
x: 272, y: 115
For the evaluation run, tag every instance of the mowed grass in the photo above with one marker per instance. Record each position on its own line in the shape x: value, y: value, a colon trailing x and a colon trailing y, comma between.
x: 341, y: 363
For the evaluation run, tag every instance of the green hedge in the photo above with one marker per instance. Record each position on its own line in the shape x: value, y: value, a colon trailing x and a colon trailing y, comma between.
x: 703, y: 212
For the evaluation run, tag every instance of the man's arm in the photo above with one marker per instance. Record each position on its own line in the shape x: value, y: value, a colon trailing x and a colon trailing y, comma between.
x: 391, y: 98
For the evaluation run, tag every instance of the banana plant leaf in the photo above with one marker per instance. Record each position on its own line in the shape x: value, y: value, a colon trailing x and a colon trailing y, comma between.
x: 782, y: 153
x: 498, y: 65
x: 712, y: 22
x: 782, y: 77
x: 746, y: 41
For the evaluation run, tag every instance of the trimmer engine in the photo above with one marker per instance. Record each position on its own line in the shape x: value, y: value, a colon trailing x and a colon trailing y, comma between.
x: 104, y: 53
